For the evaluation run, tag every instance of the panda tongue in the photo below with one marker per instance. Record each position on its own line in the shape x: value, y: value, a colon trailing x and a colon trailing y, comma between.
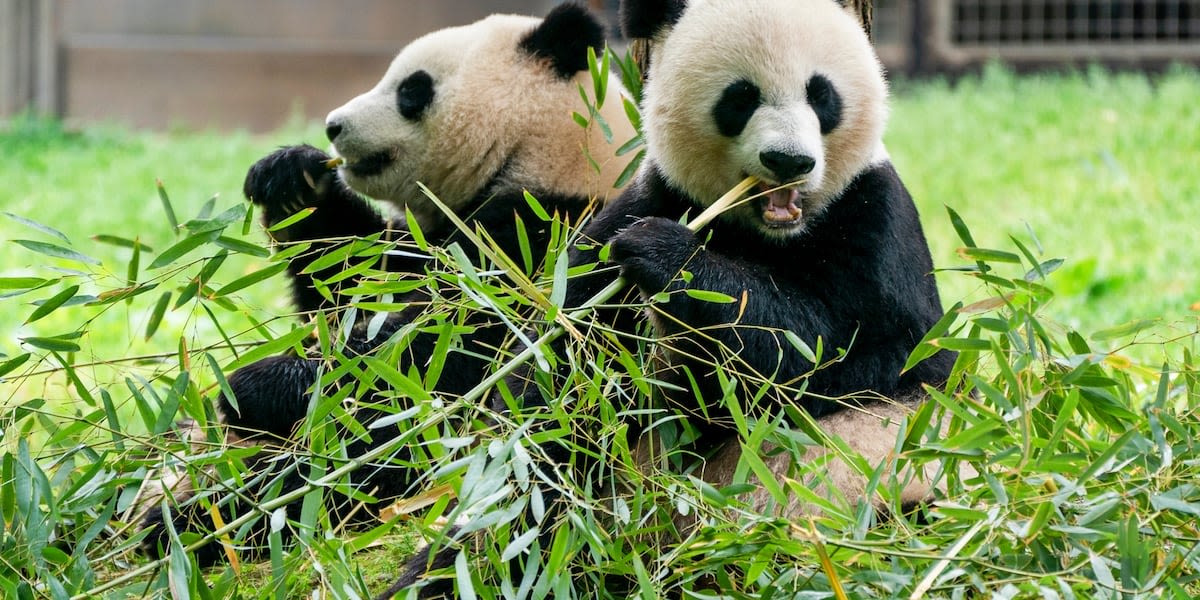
x: 781, y: 205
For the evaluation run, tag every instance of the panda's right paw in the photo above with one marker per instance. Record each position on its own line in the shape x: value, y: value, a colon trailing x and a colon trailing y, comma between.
x: 289, y: 180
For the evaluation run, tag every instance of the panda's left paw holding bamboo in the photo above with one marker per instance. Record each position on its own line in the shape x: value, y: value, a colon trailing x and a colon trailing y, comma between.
x: 652, y: 251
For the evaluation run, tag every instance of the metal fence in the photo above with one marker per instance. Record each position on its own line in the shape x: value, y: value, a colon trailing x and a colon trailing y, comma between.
x: 1059, y: 22
x: 1044, y: 31
x: 923, y: 36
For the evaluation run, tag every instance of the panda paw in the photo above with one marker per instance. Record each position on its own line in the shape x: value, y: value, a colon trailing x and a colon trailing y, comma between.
x: 289, y: 180
x: 652, y: 251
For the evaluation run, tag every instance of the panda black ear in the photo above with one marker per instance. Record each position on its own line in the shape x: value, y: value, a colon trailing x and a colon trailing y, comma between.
x: 861, y: 10
x: 645, y: 18
x: 564, y: 37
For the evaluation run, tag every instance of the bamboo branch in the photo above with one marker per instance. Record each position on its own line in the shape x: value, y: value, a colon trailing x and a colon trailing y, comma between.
x: 476, y: 393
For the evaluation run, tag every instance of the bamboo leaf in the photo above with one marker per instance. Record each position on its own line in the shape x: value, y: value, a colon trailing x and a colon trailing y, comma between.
x: 960, y: 227
x: 710, y: 296
x: 22, y: 283
x: 51, y: 304
x: 519, y: 544
x: 750, y: 456
x: 300, y: 215
x: 248, y: 220
x: 13, y: 364
x: 925, y: 348
x: 462, y: 573
x: 1171, y: 501
x: 38, y: 226
x: 536, y: 206
x: 599, y: 76
x: 54, y: 344
x: 242, y: 247
x: 987, y: 255
x: 206, y: 209
x: 633, y: 144
x: 246, y: 281
x: 135, y: 264
x: 1104, y: 458
x: 630, y: 169
x: 962, y: 344
x: 399, y: 381
x: 56, y: 251
x: 156, y: 316
x: 121, y: 242
x: 166, y: 203
x: 274, y: 345
x: 218, y: 223
x: 633, y: 114
x: 181, y: 248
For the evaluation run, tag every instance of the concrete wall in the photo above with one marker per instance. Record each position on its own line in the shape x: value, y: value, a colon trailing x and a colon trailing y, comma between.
x: 227, y: 64
x: 28, y: 76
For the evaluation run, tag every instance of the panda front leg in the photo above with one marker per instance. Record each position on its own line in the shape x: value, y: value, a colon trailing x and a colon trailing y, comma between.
x: 296, y: 178
x: 270, y: 396
x: 748, y: 334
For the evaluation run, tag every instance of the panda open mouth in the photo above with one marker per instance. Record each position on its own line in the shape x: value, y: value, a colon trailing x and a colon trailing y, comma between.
x: 780, y: 205
x: 372, y: 164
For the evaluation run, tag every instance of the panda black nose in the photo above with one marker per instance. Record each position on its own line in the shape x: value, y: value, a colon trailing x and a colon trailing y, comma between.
x: 332, y: 130
x: 785, y: 165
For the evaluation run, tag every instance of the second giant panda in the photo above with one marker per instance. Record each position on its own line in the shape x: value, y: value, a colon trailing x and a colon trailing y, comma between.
x: 480, y: 114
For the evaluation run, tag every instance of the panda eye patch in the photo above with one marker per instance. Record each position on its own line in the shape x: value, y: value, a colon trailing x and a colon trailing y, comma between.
x: 825, y: 101
x: 737, y: 104
x: 414, y: 95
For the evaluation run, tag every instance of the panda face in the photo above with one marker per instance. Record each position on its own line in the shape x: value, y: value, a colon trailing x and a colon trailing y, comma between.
x: 388, y: 136
x: 478, y: 109
x: 788, y: 91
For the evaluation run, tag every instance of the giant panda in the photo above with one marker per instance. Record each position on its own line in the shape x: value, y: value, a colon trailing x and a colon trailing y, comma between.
x: 480, y: 114
x: 787, y: 91
x: 829, y: 247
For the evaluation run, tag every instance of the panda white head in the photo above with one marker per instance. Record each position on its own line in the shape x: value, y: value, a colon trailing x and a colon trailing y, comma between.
x: 481, y: 108
x: 789, y: 91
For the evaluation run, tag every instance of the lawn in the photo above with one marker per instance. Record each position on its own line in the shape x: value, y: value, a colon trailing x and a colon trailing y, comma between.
x: 1099, y: 167
x: 1102, y: 168
x: 101, y: 180
x: 1077, y: 403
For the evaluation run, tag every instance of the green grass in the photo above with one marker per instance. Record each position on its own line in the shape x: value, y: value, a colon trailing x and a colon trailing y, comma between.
x: 1100, y: 167
x: 1086, y: 456
x: 102, y: 181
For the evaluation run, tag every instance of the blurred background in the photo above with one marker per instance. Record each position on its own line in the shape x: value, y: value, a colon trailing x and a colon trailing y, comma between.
x: 254, y: 65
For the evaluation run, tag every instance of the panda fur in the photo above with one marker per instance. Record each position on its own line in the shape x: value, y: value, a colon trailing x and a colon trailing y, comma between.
x: 783, y: 90
x: 479, y: 114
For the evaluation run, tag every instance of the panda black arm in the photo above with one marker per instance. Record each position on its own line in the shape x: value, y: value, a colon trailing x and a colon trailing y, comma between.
x: 860, y: 279
x: 502, y: 214
x: 292, y: 179
x: 745, y: 335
